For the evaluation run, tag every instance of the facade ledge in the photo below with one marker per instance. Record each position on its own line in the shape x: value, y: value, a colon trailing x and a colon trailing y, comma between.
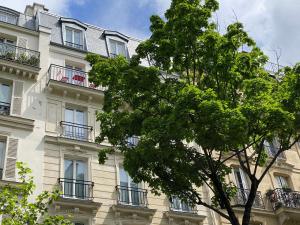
x: 133, y: 214
x: 258, y: 211
x: 17, y: 122
x: 286, y: 215
x: 186, y: 216
x: 72, y: 142
x: 22, y: 70
x: 76, y: 206
x: 9, y: 182
x: 18, y: 28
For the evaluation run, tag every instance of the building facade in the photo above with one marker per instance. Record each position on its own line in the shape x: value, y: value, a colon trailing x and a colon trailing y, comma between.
x: 48, y: 120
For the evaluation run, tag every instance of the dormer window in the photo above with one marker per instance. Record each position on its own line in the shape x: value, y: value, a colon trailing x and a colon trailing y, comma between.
x: 117, y: 48
x: 74, y: 38
x: 8, y: 18
x: 73, y: 33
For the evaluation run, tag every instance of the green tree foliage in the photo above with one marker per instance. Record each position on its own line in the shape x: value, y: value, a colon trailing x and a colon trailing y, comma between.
x: 17, y: 209
x: 213, y: 103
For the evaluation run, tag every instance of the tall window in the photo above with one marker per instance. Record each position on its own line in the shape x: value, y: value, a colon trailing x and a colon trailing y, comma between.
x: 129, y: 191
x: 75, y: 124
x: 5, y: 98
x: 74, y: 38
x: 2, y: 157
x: 75, y: 75
x: 8, y: 18
x: 117, y: 48
x: 272, y: 148
x: 75, y: 175
x: 282, y: 182
x: 240, y: 179
x: 179, y: 205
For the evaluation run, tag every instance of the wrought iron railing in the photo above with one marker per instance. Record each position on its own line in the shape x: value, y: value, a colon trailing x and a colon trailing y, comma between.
x: 74, y: 45
x: 132, y: 196
x: 76, y: 131
x: 79, y: 189
x: 180, y: 206
x: 20, y: 55
x: 4, y: 108
x: 284, y: 197
x: 70, y: 76
x: 241, y: 198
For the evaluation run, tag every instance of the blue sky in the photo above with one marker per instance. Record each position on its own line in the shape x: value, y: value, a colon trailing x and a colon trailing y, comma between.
x: 274, y: 24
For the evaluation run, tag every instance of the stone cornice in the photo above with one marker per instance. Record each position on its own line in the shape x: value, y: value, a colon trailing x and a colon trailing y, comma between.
x: 17, y: 122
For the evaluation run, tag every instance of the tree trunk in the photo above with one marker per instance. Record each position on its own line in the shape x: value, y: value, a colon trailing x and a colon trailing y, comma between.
x: 249, y: 204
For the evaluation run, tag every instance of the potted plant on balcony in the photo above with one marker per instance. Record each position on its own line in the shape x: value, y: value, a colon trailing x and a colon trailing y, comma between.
x: 271, y: 195
x: 10, y: 55
x: 22, y: 58
x: 33, y: 60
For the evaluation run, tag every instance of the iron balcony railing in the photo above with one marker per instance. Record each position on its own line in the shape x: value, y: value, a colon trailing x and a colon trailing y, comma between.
x: 20, y: 55
x: 178, y: 205
x: 241, y: 198
x: 76, y: 131
x: 79, y: 189
x: 284, y: 197
x: 4, y: 108
x: 70, y: 76
x: 74, y: 45
x: 132, y: 196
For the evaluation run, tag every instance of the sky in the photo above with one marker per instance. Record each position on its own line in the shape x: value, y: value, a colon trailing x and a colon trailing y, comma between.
x: 273, y: 24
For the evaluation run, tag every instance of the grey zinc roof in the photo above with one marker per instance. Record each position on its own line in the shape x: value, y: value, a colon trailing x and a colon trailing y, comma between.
x: 95, y: 40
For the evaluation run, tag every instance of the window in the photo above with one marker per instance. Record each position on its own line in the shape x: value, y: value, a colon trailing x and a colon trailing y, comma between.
x: 240, y: 178
x: 74, y: 125
x: 179, y: 205
x: 272, y: 148
x: 5, y: 98
x: 117, y: 48
x: 75, y: 182
x: 130, y: 192
x: 2, y: 157
x: 132, y: 141
x: 74, y: 38
x: 75, y: 75
x: 8, y: 18
x: 282, y: 182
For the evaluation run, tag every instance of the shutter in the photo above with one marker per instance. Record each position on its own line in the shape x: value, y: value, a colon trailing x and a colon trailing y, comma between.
x: 11, y: 159
x: 17, y: 97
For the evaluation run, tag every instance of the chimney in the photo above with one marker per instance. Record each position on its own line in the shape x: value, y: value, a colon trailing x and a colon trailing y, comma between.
x: 31, y: 10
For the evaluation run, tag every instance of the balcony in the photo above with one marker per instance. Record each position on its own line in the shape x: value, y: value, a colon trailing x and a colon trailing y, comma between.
x: 66, y: 81
x: 18, y: 60
x: 132, y: 196
x: 242, y: 198
x: 74, y: 45
x: 76, y: 131
x: 284, y: 198
x: 78, y: 189
x: 4, y: 108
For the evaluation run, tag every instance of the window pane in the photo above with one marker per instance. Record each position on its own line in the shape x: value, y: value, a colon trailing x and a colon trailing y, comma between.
x: 81, y: 190
x: 77, y: 38
x: 123, y: 177
x: 81, y: 170
x: 69, y: 35
x: 113, y: 47
x: 68, y: 169
x: 121, y: 49
x: 5, y: 93
x: 68, y: 182
x: 69, y: 115
x: 80, y: 117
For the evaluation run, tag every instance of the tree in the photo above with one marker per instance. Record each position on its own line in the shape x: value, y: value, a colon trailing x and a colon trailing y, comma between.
x: 16, y: 207
x: 213, y: 102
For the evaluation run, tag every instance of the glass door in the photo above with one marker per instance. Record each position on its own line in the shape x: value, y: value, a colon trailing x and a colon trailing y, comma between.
x: 75, y: 178
x: 129, y: 190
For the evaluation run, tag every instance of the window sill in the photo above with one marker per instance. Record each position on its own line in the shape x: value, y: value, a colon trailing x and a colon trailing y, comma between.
x: 16, y: 122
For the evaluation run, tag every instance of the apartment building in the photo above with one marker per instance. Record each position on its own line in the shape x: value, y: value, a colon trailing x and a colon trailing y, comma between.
x: 47, y: 119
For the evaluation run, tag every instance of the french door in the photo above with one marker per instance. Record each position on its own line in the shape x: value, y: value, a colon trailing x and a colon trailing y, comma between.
x: 242, y: 185
x: 75, y: 177
x: 75, y: 126
x: 129, y: 191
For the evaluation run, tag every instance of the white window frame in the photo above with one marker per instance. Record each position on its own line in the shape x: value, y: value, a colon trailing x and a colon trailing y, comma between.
x: 74, y: 175
x: 74, y: 27
x: 279, y: 183
x: 110, y: 40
